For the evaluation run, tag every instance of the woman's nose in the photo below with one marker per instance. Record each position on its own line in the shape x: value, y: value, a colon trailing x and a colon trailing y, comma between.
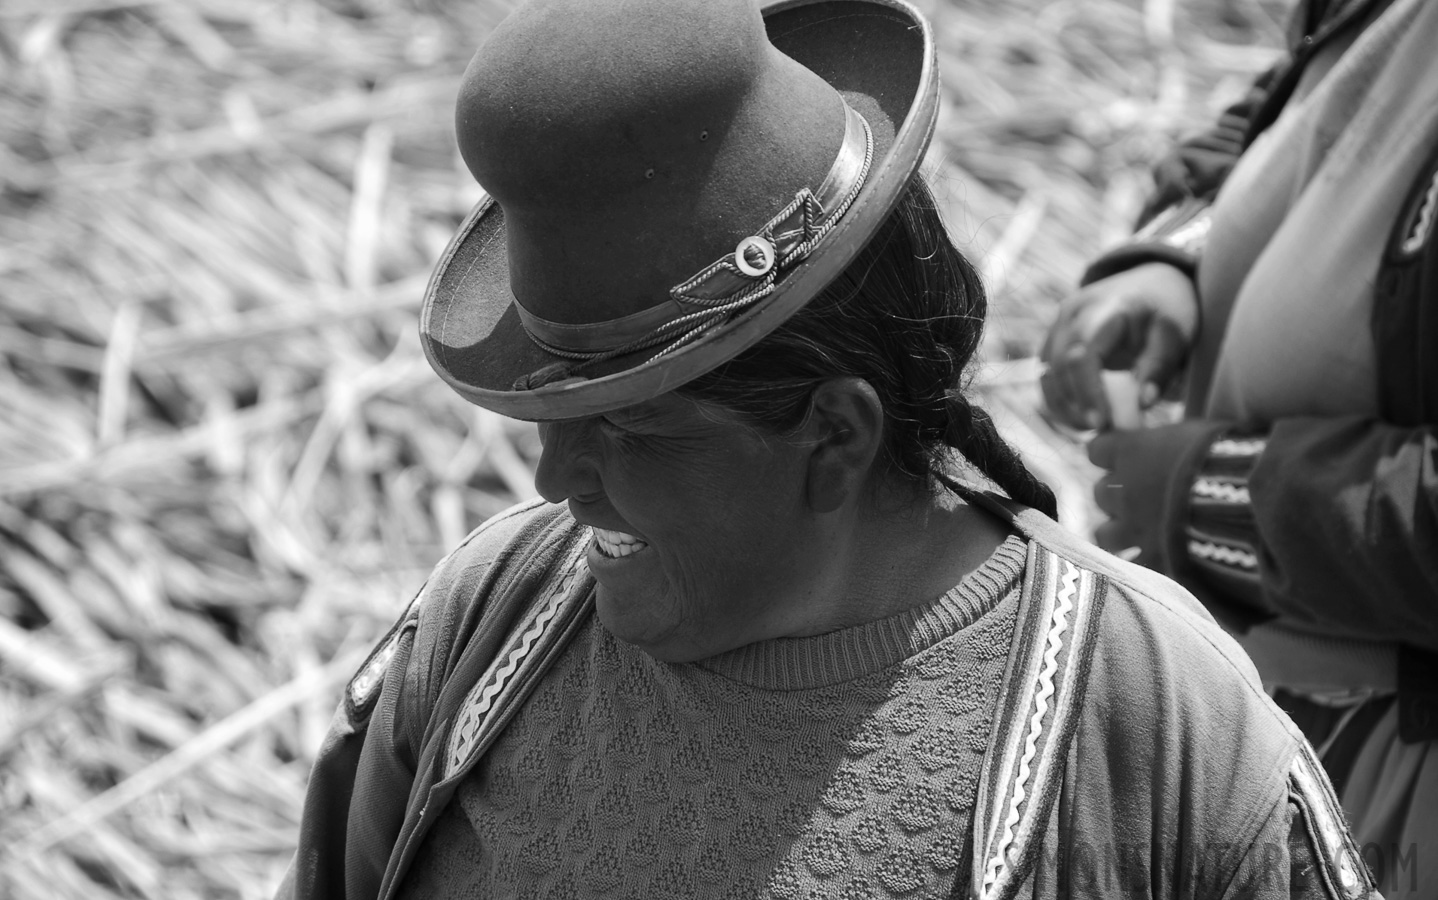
x: 565, y: 468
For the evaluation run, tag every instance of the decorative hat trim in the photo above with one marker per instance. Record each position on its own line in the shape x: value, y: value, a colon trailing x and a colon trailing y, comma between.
x: 731, y: 283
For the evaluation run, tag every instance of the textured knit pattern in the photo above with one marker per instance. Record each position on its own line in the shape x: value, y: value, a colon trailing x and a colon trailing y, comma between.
x: 843, y: 765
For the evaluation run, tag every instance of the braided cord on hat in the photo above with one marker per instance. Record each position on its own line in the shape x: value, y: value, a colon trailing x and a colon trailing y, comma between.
x: 757, y: 254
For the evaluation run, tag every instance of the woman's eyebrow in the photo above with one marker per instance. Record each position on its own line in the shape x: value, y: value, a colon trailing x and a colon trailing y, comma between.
x: 640, y: 414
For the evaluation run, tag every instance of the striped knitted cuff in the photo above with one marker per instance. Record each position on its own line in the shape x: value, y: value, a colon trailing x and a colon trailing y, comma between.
x: 1221, y: 537
x: 1177, y: 236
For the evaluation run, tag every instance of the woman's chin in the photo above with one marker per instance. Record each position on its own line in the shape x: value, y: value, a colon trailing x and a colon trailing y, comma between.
x: 649, y: 622
x: 627, y: 616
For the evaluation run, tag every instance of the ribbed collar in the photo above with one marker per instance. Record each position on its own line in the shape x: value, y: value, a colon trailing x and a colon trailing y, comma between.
x: 790, y: 664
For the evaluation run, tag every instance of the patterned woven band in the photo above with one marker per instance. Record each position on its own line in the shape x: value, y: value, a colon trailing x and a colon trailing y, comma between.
x: 733, y: 282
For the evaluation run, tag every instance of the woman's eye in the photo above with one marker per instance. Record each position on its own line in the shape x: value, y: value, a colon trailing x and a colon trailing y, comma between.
x: 630, y: 442
x: 611, y: 430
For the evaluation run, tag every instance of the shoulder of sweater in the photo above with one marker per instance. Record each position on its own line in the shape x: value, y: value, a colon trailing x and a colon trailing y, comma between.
x: 1137, y: 583
x: 514, y: 528
x: 1179, y: 694
x: 509, y: 538
x: 1150, y: 622
x: 460, y: 594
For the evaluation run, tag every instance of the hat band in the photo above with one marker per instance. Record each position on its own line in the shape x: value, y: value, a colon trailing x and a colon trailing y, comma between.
x: 731, y: 283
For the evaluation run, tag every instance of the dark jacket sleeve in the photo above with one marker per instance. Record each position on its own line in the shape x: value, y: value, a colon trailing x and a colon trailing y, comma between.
x: 1198, y: 166
x: 1331, y: 523
x: 365, y: 763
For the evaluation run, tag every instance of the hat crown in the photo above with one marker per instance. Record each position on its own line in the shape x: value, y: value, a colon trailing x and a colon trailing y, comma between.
x: 631, y: 142
x: 791, y: 154
x: 574, y: 101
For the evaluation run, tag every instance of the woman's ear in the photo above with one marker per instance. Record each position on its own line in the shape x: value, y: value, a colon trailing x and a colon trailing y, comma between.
x: 844, y: 433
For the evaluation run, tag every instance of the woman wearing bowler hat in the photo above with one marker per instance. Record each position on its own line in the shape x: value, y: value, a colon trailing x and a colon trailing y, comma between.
x: 755, y: 641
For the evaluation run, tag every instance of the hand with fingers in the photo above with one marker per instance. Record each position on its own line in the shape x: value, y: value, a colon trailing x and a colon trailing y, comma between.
x: 1143, y: 319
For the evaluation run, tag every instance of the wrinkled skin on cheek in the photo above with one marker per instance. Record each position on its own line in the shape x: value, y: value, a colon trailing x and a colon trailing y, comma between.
x: 720, y: 535
x: 719, y: 506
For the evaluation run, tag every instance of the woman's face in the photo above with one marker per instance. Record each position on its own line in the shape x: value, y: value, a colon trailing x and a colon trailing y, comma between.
x: 702, y: 533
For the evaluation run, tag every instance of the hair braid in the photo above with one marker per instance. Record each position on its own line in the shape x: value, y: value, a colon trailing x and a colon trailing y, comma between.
x: 907, y: 315
x: 972, y: 432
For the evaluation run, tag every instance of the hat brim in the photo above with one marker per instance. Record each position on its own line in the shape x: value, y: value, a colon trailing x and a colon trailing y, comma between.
x: 879, y: 54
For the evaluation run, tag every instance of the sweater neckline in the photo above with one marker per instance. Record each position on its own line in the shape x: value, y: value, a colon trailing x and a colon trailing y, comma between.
x: 789, y: 664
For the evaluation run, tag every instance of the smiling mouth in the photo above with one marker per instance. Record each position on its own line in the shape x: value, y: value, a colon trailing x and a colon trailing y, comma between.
x: 616, y: 544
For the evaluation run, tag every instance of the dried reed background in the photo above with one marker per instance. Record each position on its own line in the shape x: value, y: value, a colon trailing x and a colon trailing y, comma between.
x: 224, y: 464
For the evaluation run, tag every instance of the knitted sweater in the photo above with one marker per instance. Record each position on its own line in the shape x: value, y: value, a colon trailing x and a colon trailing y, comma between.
x: 841, y: 765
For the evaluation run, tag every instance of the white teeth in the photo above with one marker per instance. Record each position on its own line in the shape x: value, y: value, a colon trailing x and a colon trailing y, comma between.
x: 617, y: 543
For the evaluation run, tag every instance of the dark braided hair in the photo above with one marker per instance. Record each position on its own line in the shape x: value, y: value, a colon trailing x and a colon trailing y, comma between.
x: 906, y: 316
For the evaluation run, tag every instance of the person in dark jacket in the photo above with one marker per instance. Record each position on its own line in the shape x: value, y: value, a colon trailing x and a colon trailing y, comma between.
x: 1284, y: 285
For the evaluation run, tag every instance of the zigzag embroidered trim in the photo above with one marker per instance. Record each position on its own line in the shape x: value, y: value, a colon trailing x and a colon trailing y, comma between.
x: 1232, y: 448
x: 481, y: 697
x: 1211, y: 489
x: 364, y: 684
x: 690, y: 327
x: 1229, y: 556
x: 1326, y: 827
x: 1063, y: 605
x: 1427, y: 210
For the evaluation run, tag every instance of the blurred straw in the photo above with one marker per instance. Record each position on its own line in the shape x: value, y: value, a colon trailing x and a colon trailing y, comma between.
x: 115, y: 375
x: 371, y: 175
x: 121, y: 160
x: 194, y: 752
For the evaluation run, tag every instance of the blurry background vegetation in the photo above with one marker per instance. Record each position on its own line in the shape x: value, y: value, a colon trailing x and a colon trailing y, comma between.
x: 224, y: 463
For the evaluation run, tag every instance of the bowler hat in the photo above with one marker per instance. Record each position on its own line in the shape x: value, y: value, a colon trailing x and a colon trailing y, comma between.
x: 667, y: 181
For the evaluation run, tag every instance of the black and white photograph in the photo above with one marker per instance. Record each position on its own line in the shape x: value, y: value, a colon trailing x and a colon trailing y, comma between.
x: 718, y: 449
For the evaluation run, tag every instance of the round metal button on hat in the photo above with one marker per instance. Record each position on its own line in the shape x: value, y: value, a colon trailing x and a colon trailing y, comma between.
x: 766, y: 253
